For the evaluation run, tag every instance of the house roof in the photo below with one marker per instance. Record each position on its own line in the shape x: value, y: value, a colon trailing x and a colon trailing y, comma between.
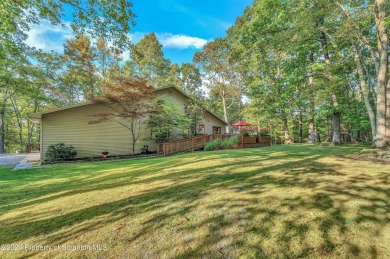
x: 186, y: 95
x: 36, y: 117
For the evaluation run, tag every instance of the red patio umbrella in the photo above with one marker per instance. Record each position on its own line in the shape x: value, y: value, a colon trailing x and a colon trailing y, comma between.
x: 239, y: 124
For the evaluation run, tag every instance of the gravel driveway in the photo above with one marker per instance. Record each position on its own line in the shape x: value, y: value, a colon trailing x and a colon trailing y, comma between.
x: 11, y: 159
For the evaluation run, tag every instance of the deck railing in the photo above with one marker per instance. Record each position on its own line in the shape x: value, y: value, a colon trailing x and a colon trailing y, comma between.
x: 198, y: 142
x: 182, y: 145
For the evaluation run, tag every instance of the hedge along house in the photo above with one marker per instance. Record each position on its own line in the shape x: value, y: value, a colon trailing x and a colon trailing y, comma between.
x: 70, y: 125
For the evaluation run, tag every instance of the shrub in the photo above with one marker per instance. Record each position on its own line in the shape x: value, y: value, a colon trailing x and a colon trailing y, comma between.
x: 60, y: 152
x: 263, y: 133
x: 245, y: 134
x: 214, y: 144
x: 217, y: 143
x: 230, y: 142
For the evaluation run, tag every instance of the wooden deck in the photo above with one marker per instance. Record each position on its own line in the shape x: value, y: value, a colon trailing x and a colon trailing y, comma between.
x: 182, y: 145
x: 198, y: 143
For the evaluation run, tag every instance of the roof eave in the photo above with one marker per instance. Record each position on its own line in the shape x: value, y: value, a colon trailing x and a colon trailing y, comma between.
x: 186, y: 95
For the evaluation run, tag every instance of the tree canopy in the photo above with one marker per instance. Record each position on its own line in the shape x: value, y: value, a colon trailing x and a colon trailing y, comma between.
x: 294, y: 67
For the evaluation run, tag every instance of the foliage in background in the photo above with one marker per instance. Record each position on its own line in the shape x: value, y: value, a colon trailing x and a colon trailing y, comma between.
x: 60, y: 152
x: 31, y: 80
x: 148, y: 61
x: 168, y: 122
x: 292, y: 66
x: 224, y: 80
x: 308, y: 65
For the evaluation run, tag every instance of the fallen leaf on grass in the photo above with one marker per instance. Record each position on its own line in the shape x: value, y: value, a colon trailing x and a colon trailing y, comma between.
x: 120, y: 226
x: 183, y: 219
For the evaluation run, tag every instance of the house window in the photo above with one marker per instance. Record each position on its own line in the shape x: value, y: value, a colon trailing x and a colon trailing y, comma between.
x: 216, y: 130
x: 201, y: 128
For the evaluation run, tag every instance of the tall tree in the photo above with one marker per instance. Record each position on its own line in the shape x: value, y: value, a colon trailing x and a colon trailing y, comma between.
x: 148, y: 61
x: 191, y: 80
x: 131, y: 102
x: 369, y: 28
x: 382, y: 138
x: 219, y: 74
x: 82, y: 57
x: 167, y: 123
x: 174, y: 76
x: 109, y: 20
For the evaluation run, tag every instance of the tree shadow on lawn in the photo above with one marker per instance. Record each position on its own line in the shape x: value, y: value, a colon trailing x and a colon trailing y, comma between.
x: 286, y: 209
x: 66, y: 183
x: 208, y: 176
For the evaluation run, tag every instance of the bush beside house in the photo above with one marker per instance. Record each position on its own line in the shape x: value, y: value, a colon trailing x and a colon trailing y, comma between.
x: 60, y: 152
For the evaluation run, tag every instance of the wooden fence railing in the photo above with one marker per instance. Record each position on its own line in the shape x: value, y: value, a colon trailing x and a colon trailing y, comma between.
x: 198, y: 142
x: 182, y: 145
x: 245, y: 142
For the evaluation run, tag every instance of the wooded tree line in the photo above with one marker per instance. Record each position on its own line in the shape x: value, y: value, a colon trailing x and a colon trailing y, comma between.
x: 315, y: 65
x: 293, y: 66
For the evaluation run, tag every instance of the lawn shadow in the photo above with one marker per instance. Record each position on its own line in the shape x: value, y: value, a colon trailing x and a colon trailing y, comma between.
x: 280, y: 205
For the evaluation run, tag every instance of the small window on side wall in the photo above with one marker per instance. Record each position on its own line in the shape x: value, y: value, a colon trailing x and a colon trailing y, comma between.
x: 216, y: 130
x: 201, y: 128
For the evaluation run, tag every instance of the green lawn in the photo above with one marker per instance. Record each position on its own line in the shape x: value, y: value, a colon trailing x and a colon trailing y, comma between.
x: 282, y: 201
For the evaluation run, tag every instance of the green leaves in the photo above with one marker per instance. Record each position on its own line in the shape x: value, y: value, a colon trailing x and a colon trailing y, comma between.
x: 148, y: 62
x: 168, y: 123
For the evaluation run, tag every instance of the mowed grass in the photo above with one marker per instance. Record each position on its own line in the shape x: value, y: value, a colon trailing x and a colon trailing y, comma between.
x: 281, y: 201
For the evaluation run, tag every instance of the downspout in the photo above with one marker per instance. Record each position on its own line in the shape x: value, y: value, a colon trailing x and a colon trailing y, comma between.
x: 41, y: 141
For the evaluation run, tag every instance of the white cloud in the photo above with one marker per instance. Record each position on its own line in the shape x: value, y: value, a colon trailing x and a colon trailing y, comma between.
x: 47, y: 37
x: 174, y: 41
x: 169, y: 40
x: 136, y: 36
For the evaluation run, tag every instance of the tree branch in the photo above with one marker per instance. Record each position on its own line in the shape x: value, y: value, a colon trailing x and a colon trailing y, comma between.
x: 361, y: 37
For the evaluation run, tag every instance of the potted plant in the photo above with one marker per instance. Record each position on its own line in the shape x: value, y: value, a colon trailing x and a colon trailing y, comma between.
x: 248, y: 138
x: 105, y: 154
x: 245, y: 134
x: 264, y: 137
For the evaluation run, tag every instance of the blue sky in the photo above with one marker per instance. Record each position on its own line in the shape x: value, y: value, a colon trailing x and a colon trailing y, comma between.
x: 182, y: 27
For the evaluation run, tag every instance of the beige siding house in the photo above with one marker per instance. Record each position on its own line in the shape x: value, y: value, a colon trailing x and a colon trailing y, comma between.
x: 70, y: 125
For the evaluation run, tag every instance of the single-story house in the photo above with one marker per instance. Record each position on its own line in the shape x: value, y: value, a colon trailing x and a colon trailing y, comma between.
x: 70, y: 125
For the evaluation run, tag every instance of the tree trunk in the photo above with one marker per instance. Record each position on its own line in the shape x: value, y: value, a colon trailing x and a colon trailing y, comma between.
x: 365, y: 90
x: 19, y: 122
x: 336, y: 129
x: 287, y: 139
x: 30, y: 133
x: 311, y: 105
x: 336, y: 114
x: 6, y: 96
x: 20, y: 125
x: 300, y: 130
x: 381, y: 134
x: 133, y: 139
x: 225, y: 115
x: 388, y: 110
x: 91, y: 90
x: 2, y: 113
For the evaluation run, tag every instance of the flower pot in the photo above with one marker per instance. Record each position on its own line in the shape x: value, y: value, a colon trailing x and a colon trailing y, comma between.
x: 250, y: 140
x: 265, y: 140
x: 105, y: 154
